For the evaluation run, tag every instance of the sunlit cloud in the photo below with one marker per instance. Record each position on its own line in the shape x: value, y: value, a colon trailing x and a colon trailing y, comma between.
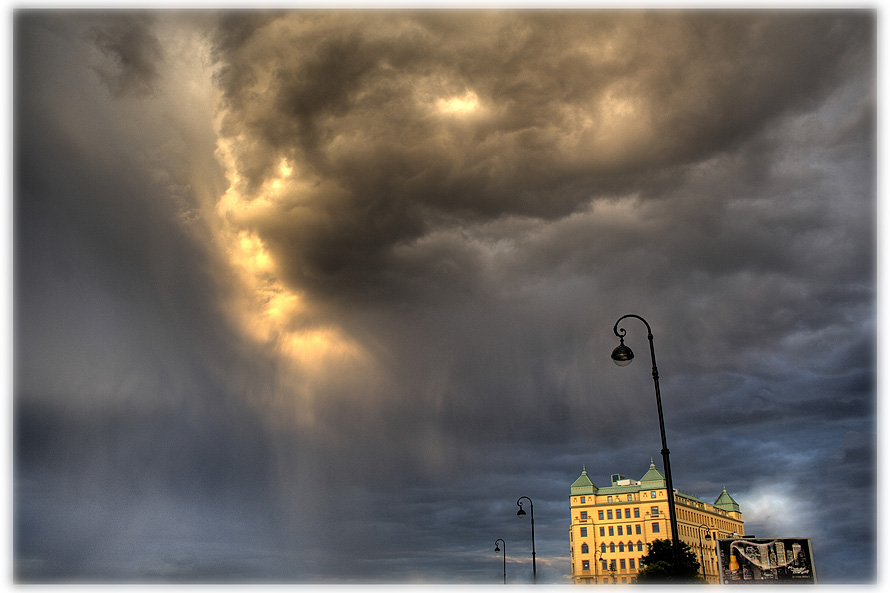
x: 468, y: 103
x: 265, y: 308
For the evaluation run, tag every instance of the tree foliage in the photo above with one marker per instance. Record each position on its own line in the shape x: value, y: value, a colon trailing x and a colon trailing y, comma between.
x: 659, y: 566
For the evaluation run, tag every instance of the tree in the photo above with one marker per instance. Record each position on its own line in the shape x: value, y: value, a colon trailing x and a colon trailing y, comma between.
x: 658, y: 564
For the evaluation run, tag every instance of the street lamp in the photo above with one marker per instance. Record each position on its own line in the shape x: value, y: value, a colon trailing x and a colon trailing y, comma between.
x: 521, y: 513
x: 497, y: 549
x: 623, y: 355
x: 701, y: 547
x: 597, y: 557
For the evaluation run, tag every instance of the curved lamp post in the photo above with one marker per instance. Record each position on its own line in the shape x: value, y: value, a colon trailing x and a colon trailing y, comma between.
x: 497, y: 549
x: 597, y: 558
x: 701, y: 547
x: 521, y: 513
x: 623, y: 356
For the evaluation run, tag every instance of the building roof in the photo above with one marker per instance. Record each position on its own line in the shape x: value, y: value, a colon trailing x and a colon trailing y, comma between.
x: 726, y: 502
x: 651, y: 480
x: 583, y: 485
x: 653, y: 475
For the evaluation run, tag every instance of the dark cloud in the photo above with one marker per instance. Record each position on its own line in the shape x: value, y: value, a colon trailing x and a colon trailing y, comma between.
x: 126, y: 40
x: 466, y: 202
x: 353, y: 98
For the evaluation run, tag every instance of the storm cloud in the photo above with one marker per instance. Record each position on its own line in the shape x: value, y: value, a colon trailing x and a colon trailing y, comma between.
x: 314, y: 296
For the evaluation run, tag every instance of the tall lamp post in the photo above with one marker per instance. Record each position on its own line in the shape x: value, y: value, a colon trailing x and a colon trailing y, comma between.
x: 497, y: 549
x: 623, y: 356
x: 521, y: 513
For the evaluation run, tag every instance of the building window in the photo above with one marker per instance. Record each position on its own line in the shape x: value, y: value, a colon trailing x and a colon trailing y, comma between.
x: 605, y: 565
x: 583, y: 500
x: 654, y: 511
x: 609, y: 514
x: 585, y: 564
x: 602, y: 531
x: 608, y: 499
x: 627, y: 513
x: 620, y: 546
x: 639, y: 531
x: 583, y: 532
x: 585, y: 549
x: 611, y: 530
x: 654, y: 494
x: 631, y: 563
x: 584, y: 515
x: 622, y: 564
x: 601, y: 515
x: 630, y: 497
x: 637, y: 513
x: 603, y: 549
x: 656, y: 528
x: 620, y: 531
x: 640, y: 548
x: 612, y: 548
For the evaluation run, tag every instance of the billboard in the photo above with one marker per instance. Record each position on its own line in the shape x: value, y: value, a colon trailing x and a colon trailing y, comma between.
x: 766, y: 560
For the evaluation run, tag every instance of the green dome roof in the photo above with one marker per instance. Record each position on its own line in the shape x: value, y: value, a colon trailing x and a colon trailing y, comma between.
x: 583, y: 485
x: 726, y: 502
x: 653, y: 475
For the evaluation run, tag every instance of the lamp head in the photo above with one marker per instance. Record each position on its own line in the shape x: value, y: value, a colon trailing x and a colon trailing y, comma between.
x: 708, y: 536
x: 497, y: 548
x: 520, y: 512
x: 622, y: 355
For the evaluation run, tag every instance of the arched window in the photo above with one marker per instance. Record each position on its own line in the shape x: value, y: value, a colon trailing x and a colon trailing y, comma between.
x: 639, y: 546
x: 630, y: 546
x: 585, y: 549
x: 603, y: 548
x: 612, y: 548
x: 620, y: 546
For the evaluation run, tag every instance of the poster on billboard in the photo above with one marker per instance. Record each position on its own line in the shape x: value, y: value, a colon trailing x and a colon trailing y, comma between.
x: 766, y: 560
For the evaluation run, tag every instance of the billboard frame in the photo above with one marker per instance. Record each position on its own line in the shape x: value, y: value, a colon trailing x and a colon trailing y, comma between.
x: 756, y: 560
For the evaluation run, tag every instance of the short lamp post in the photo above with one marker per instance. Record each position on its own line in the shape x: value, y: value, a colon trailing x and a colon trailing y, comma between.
x: 623, y: 356
x: 597, y: 557
x: 521, y: 513
x: 701, y: 547
x: 497, y: 549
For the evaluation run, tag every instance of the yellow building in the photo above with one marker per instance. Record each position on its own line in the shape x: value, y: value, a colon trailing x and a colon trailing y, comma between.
x: 612, y: 525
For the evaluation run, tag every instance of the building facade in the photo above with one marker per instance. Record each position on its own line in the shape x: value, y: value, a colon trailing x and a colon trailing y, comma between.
x: 612, y: 525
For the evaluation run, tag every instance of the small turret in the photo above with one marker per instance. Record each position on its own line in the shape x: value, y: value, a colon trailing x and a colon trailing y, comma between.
x: 727, y: 502
x: 583, y: 485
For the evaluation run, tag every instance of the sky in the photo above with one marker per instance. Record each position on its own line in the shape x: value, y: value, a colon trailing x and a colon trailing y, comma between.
x: 315, y: 296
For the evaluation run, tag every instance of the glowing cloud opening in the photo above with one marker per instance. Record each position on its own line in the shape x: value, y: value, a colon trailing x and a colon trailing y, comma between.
x: 467, y: 104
